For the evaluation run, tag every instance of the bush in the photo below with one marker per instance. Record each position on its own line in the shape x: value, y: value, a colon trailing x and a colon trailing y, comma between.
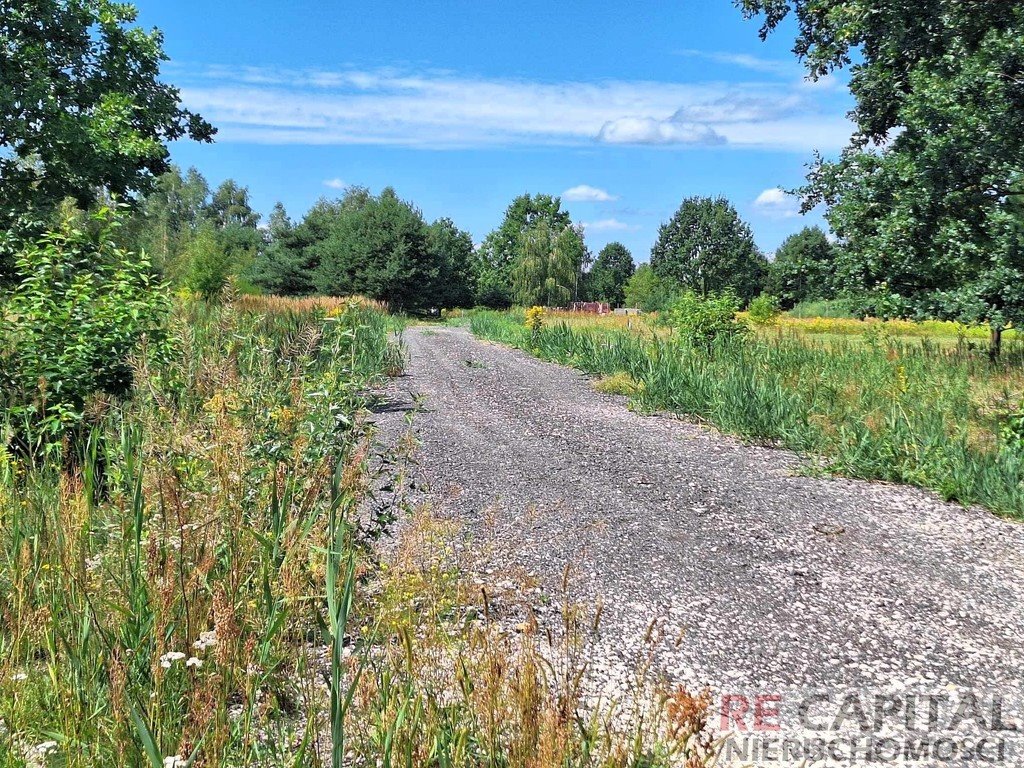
x: 840, y: 309
x: 210, y: 264
x: 764, y: 310
x: 1013, y: 432
x: 702, y: 320
x: 83, y: 308
x: 493, y: 293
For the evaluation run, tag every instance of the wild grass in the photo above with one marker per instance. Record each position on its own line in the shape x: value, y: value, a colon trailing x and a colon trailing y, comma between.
x: 198, y: 586
x: 883, y: 409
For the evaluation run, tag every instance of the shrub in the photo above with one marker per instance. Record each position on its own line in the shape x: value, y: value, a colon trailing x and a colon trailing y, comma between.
x: 702, y: 320
x: 836, y: 308
x: 210, y: 264
x: 1013, y: 432
x: 764, y: 310
x: 83, y: 308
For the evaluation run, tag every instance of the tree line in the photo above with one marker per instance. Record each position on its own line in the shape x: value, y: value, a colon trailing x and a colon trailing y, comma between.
x: 381, y: 246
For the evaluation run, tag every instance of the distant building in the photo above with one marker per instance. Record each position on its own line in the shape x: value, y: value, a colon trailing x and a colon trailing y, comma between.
x: 628, y: 311
x: 593, y: 307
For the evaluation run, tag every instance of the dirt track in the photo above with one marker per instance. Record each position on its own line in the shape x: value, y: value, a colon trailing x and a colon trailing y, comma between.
x: 769, y: 578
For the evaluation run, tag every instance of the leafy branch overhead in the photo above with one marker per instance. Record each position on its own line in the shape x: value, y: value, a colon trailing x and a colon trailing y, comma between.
x: 82, y: 107
x: 928, y: 195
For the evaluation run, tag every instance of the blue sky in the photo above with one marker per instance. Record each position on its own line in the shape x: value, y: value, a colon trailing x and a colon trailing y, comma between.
x: 622, y: 108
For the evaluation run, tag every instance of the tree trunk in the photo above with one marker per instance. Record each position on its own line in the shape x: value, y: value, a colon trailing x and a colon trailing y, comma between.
x: 995, y: 346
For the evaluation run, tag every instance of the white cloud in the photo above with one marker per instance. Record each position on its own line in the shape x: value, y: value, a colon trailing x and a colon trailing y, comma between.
x: 744, y: 60
x: 584, y: 193
x: 443, y: 110
x: 778, y: 203
x: 335, y: 183
x: 647, y: 130
x: 608, y: 225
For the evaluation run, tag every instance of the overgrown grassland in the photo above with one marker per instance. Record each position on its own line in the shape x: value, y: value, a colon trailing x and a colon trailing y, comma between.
x: 884, y: 409
x: 198, y: 587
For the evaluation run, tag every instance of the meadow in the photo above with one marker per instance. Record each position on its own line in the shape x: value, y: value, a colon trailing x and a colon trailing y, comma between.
x: 195, y: 581
x: 882, y: 401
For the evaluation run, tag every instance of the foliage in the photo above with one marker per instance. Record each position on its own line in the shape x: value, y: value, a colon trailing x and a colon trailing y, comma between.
x: 492, y: 291
x: 1013, y: 431
x: 927, y: 196
x: 548, y: 267
x: 889, y: 411
x: 81, y: 313
x: 835, y: 308
x: 82, y: 104
x: 452, y: 249
x: 619, y: 383
x: 501, y: 247
x: 606, y: 280
x: 705, y: 247
x: 704, y: 320
x: 764, y: 310
x: 203, y: 591
x: 210, y: 265
x: 165, y: 218
x: 648, y: 291
x: 380, y: 246
x: 283, y: 267
x: 803, y: 268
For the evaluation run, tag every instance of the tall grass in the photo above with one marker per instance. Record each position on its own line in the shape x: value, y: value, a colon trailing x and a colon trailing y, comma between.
x: 157, y: 600
x: 884, y: 410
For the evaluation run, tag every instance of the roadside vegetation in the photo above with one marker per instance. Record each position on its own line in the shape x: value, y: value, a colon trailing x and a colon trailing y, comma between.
x: 908, y: 411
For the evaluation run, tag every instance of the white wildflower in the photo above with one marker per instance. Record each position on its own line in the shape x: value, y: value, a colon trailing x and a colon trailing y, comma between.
x: 194, y: 662
x: 175, y: 761
x: 19, y: 676
x: 206, y: 639
x: 169, y: 658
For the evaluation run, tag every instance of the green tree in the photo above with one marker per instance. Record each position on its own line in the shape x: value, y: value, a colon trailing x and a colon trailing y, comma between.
x: 923, y: 197
x: 230, y: 205
x: 375, y: 246
x: 82, y: 104
x: 210, y: 265
x: 283, y: 267
x: 547, y: 269
x: 707, y: 248
x: 165, y: 219
x: 646, y: 291
x: 606, y: 280
x: 803, y: 268
x: 452, y: 250
x: 502, y: 247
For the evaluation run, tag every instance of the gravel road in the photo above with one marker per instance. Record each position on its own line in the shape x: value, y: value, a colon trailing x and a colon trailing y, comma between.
x: 763, y: 578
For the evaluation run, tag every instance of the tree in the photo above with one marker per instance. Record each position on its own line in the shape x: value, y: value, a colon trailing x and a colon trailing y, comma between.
x: 647, y: 291
x: 230, y: 206
x: 82, y: 105
x: 376, y: 246
x: 804, y: 268
x: 452, y: 250
x: 923, y: 197
x: 606, y: 280
x: 502, y: 247
x: 165, y: 219
x: 283, y: 267
x: 549, y: 264
x: 707, y: 248
x: 210, y: 265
